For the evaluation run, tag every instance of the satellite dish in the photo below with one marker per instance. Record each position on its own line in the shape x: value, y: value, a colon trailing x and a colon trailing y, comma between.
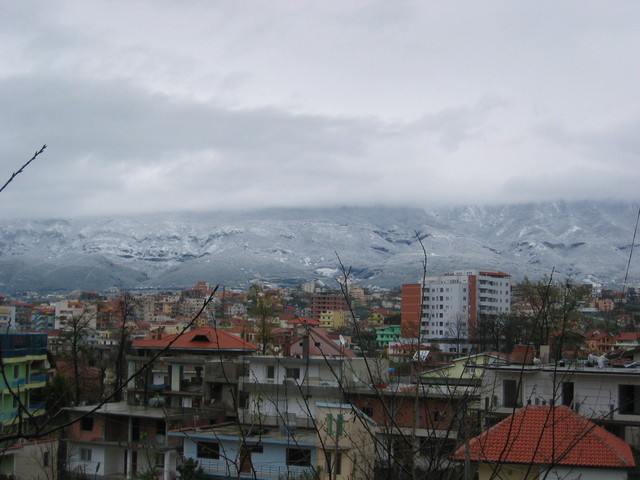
x: 343, y: 342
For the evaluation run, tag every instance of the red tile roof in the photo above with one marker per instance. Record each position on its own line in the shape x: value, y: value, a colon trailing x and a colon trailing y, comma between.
x: 241, y: 329
x: 204, y: 338
x: 320, y: 344
x: 622, y: 336
x: 545, y: 435
x: 303, y: 321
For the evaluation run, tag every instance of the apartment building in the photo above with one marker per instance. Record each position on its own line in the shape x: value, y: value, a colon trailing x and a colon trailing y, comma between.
x: 339, y: 447
x: 277, y: 390
x: 329, y: 302
x: 608, y: 395
x: 198, y: 368
x: 119, y: 440
x: 446, y: 308
x: 25, y: 369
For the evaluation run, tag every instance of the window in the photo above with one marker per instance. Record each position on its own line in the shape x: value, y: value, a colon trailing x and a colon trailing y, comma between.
x: 368, y: 411
x: 209, y: 450
x: 629, y: 399
x: 567, y: 394
x: 85, y: 454
x: 271, y: 371
x: 298, y: 457
x: 161, y: 427
x: 86, y: 424
x: 333, y: 460
x: 16, y: 371
x: 135, y: 429
x: 510, y: 393
x: 438, y: 416
x: 45, y: 459
x: 293, y: 373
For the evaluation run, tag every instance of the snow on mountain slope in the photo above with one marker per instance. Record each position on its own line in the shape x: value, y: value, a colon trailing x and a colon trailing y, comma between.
x: 583, y: 240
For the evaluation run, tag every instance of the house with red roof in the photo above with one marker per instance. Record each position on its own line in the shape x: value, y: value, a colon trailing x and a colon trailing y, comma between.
x: 193, y: 369
x: 247, y: 333
x: 598, y: 340
x: 551, y: 442
x: 30, y: 459
x: 184, y: 379
x: 626, y: 340
x: 316, y: 342
x: 607, y: 393
x: 297, y: 322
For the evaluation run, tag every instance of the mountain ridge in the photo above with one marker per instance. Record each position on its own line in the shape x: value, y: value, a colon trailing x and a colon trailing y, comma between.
x: 586, y: 241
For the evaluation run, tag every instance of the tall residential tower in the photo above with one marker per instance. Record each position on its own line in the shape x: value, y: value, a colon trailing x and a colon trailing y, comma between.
x: 446, y: 309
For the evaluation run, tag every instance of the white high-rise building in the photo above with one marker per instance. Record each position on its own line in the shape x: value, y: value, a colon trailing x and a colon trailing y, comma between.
x: 453, y: 303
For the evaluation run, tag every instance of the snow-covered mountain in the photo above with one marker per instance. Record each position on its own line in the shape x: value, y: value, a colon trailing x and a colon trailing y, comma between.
x: 588, y: 241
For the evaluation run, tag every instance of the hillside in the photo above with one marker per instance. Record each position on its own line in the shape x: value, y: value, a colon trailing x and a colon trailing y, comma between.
x: 587, y: 241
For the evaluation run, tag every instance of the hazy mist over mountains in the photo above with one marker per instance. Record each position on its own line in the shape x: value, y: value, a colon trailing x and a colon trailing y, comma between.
x: 587, y: 241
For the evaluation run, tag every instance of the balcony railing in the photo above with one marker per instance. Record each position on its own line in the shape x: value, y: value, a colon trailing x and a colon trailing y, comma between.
x: 222, y: 467
x: 22, y: 382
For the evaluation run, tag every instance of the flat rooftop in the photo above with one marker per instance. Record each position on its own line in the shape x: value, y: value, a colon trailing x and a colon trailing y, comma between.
x: 250, y: 433
x: 122, y: 408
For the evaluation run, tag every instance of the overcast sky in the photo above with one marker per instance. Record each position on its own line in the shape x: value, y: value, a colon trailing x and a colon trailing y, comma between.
x: 202, y: 105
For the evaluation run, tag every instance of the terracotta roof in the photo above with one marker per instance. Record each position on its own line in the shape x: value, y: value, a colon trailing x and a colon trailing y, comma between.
x: 595, y: 334
x: 627, y: 336
x: 204, y: 338
x: 320, y: 344
x: 545, y: 435
x: 303, y: 321
x: 522, y: 354
x: 241, y: 329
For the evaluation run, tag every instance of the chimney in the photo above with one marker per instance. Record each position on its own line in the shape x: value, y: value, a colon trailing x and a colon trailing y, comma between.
x: 545, y: 352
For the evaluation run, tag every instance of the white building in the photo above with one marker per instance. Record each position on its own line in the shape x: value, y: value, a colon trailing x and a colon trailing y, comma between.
x: 279, y: 390
x: 453, y: 303
x: 609, y: 396
x: 7, y: 316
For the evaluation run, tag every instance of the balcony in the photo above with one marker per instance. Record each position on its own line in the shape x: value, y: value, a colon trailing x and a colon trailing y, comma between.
x: 34, y: 381
x: 217, y: 371
x: 230, y: 470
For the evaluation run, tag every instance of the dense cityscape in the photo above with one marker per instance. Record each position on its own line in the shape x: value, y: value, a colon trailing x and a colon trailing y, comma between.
x: 319, y: 382
x: 337, y: 240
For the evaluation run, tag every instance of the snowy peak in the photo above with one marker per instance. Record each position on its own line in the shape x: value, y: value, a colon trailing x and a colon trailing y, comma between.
x: 582, y: 240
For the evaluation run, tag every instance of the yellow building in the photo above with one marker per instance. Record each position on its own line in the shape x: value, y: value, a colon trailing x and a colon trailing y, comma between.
x: 345, y: 446
x: 332, y: 320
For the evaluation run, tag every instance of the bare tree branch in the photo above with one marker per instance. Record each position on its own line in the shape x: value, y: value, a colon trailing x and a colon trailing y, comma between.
x: 21, y: 169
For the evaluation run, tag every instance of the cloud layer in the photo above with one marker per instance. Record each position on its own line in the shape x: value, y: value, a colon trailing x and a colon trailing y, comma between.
x: 157, y: 106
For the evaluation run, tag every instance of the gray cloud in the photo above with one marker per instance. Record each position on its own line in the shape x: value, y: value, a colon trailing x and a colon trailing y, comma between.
x: 163, y: 106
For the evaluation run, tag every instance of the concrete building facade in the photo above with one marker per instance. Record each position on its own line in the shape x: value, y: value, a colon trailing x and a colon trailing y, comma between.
x: 447, y: 308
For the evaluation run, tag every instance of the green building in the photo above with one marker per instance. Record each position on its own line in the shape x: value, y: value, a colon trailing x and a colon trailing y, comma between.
x: 23, y: 375
x: 386, y: 334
